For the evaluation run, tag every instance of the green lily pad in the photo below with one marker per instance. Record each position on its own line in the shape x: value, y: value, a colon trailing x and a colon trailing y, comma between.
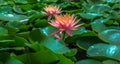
x: 13, y: 17
x: 112, y: 1
x: 62, y: 59
x: 111, y: 36
x: 21, y: 1
x: 100, y: 8
x: 96, y: 8
x: 12, y: 41
x: 18, y: 9
x: 98, y: 25
x: 88, y: 61
x: 41, y: 57
x: 110, y: 62
x: 85, y: 42
x: 90, y: 15
x: 107, y: 50
x: 55, y: 45
x: 13, y: 61
x: 49, y: 42
x: 11, y: 30
x: 2, y: 2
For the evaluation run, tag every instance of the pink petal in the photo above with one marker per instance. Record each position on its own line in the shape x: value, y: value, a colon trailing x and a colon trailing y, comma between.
x: 54, y: 24
x: 75, y: 27
x: 69, y: 32
x: 61, y: 30
x: 74, y: 23
x: 55, y: 32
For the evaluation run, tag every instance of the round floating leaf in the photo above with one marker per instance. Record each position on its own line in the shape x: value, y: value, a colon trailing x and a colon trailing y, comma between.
x: 100, y: 8
x: 81, y: 32
x: 11, y: 30
x: 18, y: 9
x: 110, y: 62
x: 111, y: 36
x: 88, y: 61
x: 49, y: 42
x: 105, y: 51
x: 48, y: 30
x: 37, y: 35
x: 72, y: 53
x: 85, y: 42
x: 55, y: 45
x: 96, y: 8
x: 12, y: 41
x: 13, y: 17
x: 112, y: 1
x: 98, y: 25
x: 90, y: 15
x: 2, y: 2
x: 13, y: 61
x: 63, y: 59
x: 21, y: 1
x: 41, y: 57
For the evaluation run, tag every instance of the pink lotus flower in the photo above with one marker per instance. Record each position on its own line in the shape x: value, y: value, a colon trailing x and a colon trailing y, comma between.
x: 65, y: 23
x: 52, y: 10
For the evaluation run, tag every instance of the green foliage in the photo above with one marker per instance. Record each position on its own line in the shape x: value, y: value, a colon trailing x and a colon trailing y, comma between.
x: 88, y: 61
x: 26, y: 36
x: 108, y: 51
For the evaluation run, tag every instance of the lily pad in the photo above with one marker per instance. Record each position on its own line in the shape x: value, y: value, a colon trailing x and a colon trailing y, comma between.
x: 85, y: 42
x: 110, y: 62
x: 21, y: 1
x: 13, y: 61
x: 90, y: 15
x: 111, y: 36
x: 48, y: 41
x: 41, y: 57
x: 98, y: 25
x: 100, y: 8
x: 13, y: 17
x: 88, y: 61
x: 107, y: 50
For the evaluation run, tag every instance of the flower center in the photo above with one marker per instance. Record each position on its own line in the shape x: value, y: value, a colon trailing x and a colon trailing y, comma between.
x: 65, y: 18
